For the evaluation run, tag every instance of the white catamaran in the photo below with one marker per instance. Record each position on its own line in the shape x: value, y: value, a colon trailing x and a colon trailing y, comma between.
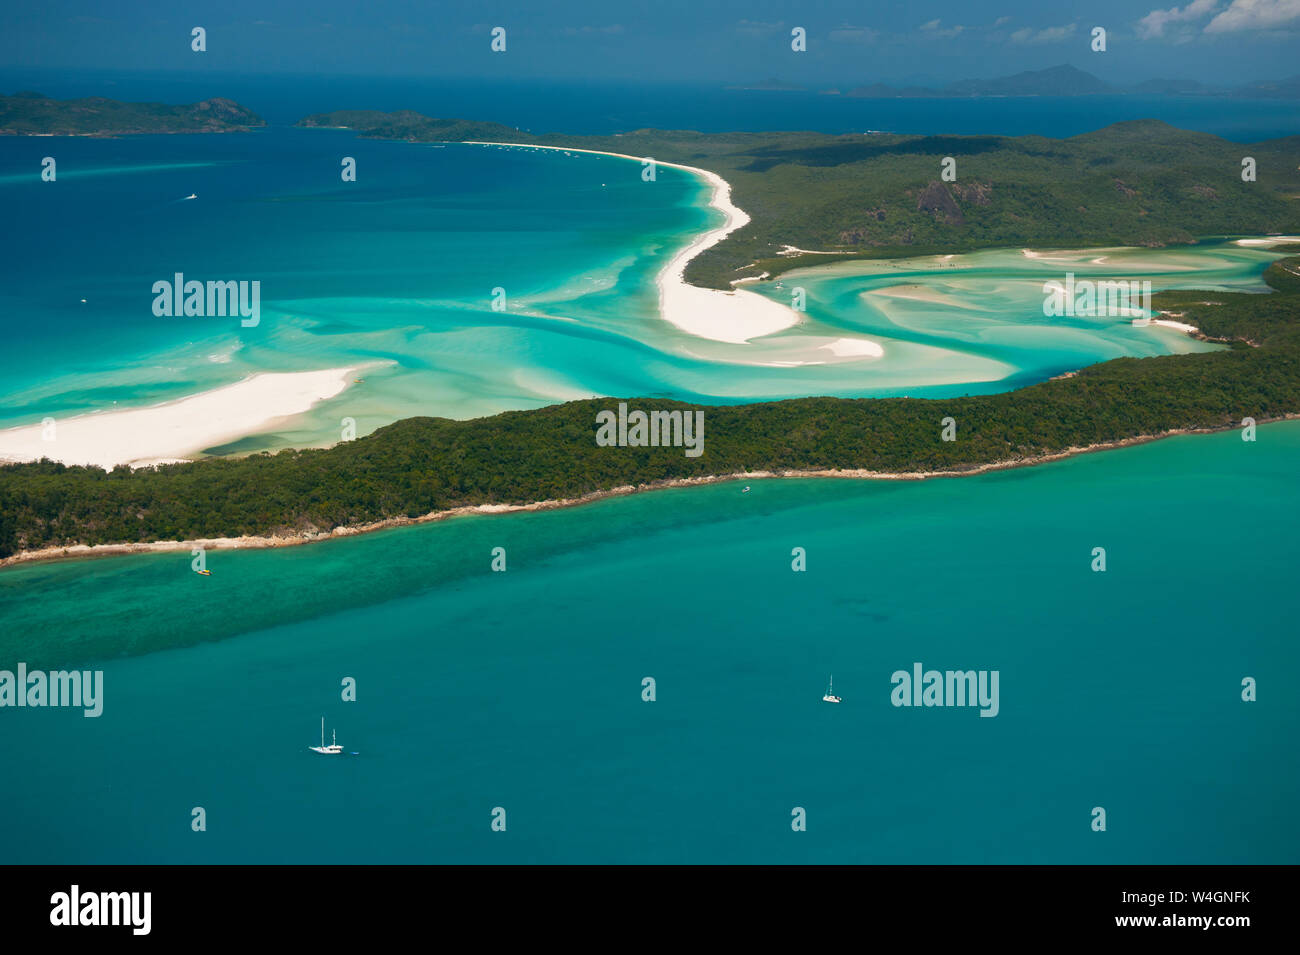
x: 333, y: 749
x: 830, y: 696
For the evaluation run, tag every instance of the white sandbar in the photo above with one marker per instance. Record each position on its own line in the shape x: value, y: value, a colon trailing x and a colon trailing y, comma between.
x: 175, y: 430
x: 735, y: 316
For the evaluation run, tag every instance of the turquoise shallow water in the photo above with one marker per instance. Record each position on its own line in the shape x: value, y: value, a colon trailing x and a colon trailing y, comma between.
x: 522, y: 689
x: 396, y: 272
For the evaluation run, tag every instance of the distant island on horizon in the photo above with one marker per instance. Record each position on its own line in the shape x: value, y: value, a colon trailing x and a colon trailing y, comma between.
x: 29, y: 113
x: 870, y: 195
x: 36, y: 114
x: 1062, y: 80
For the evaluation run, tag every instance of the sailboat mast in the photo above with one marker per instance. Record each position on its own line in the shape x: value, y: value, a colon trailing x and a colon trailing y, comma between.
x: 322, y: 732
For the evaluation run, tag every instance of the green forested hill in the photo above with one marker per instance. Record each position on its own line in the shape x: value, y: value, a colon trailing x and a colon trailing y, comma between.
x: 33, y: 113
x: 415, y: 127
x: 1142, y: 182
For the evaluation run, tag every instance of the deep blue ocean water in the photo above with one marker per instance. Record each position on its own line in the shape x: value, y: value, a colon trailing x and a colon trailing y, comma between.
x: 522, y: 689
x: 609, y: 107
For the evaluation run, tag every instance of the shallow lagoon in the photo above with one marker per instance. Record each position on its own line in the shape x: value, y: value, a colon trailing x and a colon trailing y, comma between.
x: 396, y: 272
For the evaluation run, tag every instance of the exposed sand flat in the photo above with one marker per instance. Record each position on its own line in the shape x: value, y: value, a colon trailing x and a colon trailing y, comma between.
x: 795, y: 250
x: 1126, y: 260
x: 176, y: 430
x: 1077, y: 256
x: 1268, y: 242
x: 1180, y: 326
x: 734, y: 317
x: 919, y: 293
x: 853, y: 347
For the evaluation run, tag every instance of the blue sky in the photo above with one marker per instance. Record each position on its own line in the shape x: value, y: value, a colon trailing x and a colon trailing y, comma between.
x: 725, y: 41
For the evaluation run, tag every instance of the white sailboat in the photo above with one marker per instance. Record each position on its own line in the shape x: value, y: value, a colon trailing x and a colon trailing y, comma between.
x: 334, y: 749
x: 830, y: 696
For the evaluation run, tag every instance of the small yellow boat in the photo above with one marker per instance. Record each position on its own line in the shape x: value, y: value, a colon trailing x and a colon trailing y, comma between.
x: 205, y: 573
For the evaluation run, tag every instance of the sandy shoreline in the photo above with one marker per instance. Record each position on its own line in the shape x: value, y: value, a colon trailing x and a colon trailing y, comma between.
x: 1267, y: 241
x: 178, y: 429
x: 85, y: 551
x: 1176, y: 326
x: 734, y: 317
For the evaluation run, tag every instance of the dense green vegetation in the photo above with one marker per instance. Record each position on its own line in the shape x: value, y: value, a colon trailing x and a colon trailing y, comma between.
x: 32, y: 113
x: 1140, y: 183
x: 421, y: 465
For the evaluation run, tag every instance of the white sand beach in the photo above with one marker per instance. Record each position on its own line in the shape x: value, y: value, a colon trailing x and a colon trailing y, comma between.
x: 1177, y: 326
x: 1267, y: 242
x: 734, y: 317
x: 790, y: 250
x: 853, y: 347
x: 175, y: 430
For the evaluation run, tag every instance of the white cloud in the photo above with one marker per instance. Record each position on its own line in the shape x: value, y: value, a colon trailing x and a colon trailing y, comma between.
x: 590, y: 30
x: 1255, y: 15
x: 847, y: 33
x: 1153, y: 24
x: 757, y: 27
x: 1046, y: 35
x: 933, y: 29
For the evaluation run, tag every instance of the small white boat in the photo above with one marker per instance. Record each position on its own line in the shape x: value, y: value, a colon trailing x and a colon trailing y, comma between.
x: 192, y: 195
x: 830, y: 696
x: 334, y: 749
x: 745, y: 489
